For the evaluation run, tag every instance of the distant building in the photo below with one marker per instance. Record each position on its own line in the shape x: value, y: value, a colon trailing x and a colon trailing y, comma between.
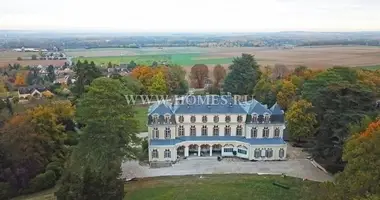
x: 36, y: 91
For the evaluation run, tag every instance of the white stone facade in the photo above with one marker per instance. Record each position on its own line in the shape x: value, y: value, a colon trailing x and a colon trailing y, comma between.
x: 173, y: 135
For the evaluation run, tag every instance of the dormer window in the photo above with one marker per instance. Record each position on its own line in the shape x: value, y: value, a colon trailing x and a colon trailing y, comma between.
x: 254, y: 118
x: 216, y: 119
x: 228, y: 119
x: 204, y: 119
x: 266, y: 118
x: 155, y: 119
x: 181, y: 119
x: 167, y: 119
x: 192, y: 119
x: 239, y: 119
x: 277, y: 132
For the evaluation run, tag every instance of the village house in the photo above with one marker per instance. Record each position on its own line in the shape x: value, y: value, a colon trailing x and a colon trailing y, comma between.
x: 24, y: 93
x: 222, y: 127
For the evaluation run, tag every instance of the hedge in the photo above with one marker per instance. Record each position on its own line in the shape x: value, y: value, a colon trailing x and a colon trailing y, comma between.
x: 41, y: 182
x: 56, y: 167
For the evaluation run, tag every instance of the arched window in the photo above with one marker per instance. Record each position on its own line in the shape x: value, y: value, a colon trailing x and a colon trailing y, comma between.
x: 257, y: 153
x: 266, y: 118
x: 154, y: 153
x: 181, y: 131
x: 227, y: 130
x: 167, y: 133
x: 192, y: 119
x: 277, y: 132
x: 204, y: 119
x: 216, y: 119
x: 204, y: 130
x: 167, y: 153
x: 254, y: 118
x: 254, y: 132
x: 155, y: 133
x: 239, y: 130
x: 193, y: 131
x: 269, y: 153
x: 215, y: 131
x: 155, y: 119
x: 281, y: 153
x: 167, y: 119
x: 240, y: 119
x: 228, y: 119
x: 266, y: 132
x: 181, y: 119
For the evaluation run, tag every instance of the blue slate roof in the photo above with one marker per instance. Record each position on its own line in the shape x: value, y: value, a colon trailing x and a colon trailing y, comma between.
x: 276, y: 109
x: 212, y: 104
x: 252, y: 141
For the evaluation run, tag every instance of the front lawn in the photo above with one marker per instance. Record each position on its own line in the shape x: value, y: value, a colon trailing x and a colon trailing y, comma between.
x: 209, y: 187
x: 218, y: 187
x: 142, y: 117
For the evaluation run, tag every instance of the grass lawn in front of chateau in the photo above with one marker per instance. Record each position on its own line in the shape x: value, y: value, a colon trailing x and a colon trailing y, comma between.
x: 215, y: 186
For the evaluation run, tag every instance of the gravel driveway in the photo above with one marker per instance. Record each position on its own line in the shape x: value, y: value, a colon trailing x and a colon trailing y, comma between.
x: 301, y: 168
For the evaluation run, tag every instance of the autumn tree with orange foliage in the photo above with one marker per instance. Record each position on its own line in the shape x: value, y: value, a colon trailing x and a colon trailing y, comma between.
x: 29, y: 143
x: 21, y: 78
x: 144, y: 74
x: 198, y: 75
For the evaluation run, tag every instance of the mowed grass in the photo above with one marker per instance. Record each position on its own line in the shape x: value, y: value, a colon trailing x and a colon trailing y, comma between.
x: 218, y: 187
x: 142, y: 117
x: 209, y: 187
x: 186, y: 59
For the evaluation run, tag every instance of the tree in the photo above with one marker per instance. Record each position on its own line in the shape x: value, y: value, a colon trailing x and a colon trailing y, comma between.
x: 198, y: 75
x: 301, y: 120
x: 337, y: 106
x: 176, y: 80
x: 243, y: 76
x: 264, y: 90
x: 108, y: 116
x: 34, y: 57
x: 361, y: 176
x: 279, y: 71
x: 51, y: 73
x: 19, y: 58
x: 219, y: 75
x: 109, y: 65
x: 132, y: 65
x: 286, y: 95
x: 145, y: 75
x: 21, y: 78
x: 158, y: 86
x: 131, y: 84
x: 85, y: 74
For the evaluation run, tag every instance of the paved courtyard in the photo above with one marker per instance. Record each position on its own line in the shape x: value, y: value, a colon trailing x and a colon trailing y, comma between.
x: 301, y: 168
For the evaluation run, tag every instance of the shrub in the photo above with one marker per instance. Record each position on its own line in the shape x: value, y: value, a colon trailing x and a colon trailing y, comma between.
x: 56, y: 167
x: 6, y: 191
x: 72, y: 138
x: 41, y: 182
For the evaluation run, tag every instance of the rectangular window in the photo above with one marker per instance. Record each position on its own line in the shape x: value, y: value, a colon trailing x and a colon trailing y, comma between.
x: 242, y: 151
x: 228, y: 149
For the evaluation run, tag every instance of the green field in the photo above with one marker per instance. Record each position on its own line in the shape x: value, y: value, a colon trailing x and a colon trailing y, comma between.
x: 372, y: 67
x: 218, y: 187
x: 184, y: 59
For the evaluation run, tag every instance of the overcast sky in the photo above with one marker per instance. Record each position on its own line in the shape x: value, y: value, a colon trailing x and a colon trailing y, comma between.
x: 192, y: 15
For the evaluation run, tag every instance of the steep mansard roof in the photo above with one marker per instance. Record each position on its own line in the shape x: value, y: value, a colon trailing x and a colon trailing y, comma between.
x: 212, y: 104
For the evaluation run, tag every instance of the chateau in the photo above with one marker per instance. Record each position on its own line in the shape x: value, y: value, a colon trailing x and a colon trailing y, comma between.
x: 215, y: 126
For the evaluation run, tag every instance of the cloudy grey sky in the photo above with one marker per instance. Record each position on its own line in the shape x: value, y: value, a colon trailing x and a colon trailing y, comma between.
x: 192, y: 15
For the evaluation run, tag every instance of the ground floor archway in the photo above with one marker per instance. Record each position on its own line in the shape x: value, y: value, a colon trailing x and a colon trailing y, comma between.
x: 193, y: 150
x: 216, y: 150
x: 181, y: 151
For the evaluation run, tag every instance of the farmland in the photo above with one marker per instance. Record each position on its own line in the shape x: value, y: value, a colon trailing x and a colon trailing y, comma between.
x: 313, y: 57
